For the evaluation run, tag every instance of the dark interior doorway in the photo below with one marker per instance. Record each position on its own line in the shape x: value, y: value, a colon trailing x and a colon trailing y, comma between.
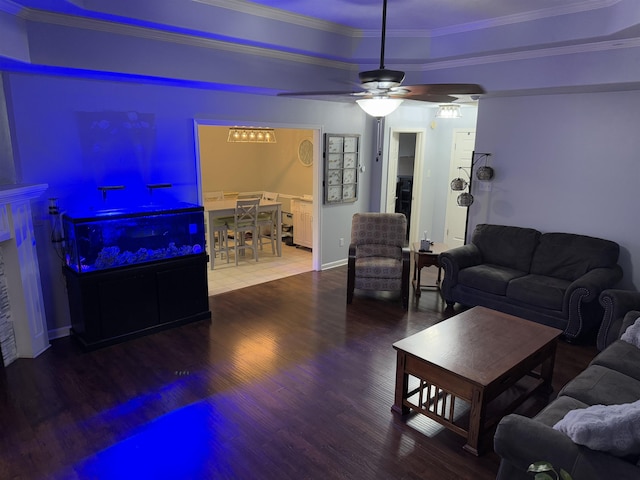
x: 404, y: 181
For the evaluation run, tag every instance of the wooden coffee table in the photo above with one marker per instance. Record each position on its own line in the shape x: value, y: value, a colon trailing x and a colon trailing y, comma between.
x: 489, y: 360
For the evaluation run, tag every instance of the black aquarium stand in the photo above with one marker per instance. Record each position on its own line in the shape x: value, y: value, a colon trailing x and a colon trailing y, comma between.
x: 110, y: 306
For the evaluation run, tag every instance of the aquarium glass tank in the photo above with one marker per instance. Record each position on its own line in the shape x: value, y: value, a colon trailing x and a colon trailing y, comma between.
x: 112, y: 238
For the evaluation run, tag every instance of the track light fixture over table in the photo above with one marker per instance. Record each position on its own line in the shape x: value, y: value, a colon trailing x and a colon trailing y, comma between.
x: 251, y: 135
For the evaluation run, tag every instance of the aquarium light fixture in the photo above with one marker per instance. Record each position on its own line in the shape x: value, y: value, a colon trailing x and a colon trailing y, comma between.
x: 251, y: 135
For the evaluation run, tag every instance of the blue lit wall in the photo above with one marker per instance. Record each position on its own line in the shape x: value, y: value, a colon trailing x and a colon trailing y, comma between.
x: 54, y: 148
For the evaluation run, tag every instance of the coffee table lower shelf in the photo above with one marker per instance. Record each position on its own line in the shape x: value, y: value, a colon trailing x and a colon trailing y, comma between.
x: 454, y: 412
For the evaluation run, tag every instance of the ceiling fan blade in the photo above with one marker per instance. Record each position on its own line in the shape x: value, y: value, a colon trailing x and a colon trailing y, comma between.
x: 444, y: 89
x: 424, y: 97
x: 318, y: 93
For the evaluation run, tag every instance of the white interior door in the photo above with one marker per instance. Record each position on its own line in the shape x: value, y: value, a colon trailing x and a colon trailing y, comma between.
x: 456, y: 219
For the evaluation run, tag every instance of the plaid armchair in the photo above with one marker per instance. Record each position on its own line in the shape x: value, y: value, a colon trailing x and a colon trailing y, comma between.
x: 379, y: 258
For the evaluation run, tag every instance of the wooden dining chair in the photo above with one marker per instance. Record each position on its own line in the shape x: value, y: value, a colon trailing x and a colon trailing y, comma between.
x: 245, y: 221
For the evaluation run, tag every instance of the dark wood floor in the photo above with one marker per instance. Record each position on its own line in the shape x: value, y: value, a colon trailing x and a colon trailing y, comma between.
x: 286, y: 382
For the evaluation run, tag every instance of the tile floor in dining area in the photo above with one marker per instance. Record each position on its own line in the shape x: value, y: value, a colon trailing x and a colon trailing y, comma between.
x: 227, y: 276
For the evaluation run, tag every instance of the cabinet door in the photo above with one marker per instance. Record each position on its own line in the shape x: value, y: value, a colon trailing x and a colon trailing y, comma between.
x: 306, y: 222
x: 182, y: 292
x: 127, y: 304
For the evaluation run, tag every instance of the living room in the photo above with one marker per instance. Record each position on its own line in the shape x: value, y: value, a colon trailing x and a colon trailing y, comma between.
x: 559, y: 119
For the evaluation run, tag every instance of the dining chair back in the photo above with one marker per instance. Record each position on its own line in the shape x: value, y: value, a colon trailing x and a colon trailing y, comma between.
x: 245, y: 222
x: 214, y: 195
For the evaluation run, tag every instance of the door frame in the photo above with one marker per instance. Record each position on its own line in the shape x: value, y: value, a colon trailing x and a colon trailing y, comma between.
x: 316, y: 251
x: 418, y: 168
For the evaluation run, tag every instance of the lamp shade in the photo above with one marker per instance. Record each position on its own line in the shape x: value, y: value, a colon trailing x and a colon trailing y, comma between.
x: 380, y: 106
x: 484, y: 173
x: 465, y: 199
x: 458, y: 184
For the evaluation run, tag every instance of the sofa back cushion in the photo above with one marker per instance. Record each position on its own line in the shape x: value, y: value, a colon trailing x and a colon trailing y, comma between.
x: 569, y: 256
x: 507, y: 246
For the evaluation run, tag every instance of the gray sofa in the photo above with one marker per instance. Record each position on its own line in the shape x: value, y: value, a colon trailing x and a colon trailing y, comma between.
x: 612, y: 378
x: 550, y: 278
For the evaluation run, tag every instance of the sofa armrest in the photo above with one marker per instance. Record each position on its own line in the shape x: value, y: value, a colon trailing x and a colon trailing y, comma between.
x: 616, y: 304
x: 586, y: 290
x: 454, y: 260
x: 521, y: 441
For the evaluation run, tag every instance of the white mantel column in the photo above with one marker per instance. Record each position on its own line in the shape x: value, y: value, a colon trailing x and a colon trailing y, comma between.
x: 21, y: 269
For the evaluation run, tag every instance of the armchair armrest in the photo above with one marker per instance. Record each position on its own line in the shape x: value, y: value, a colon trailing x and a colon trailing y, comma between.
x: 583, y: 291
x: 521, y: 441
x: 616, y: 304
x: 454, y: 260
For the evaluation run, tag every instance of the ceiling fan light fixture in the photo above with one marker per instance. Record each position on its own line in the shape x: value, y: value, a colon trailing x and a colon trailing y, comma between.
x: 379, y: 106
x: 448, y: 110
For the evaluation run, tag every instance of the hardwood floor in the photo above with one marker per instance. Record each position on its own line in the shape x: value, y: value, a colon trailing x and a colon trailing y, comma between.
x: 285, y: 382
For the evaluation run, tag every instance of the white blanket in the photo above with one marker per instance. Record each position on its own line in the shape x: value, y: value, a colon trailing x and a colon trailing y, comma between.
x: 632, y: 334
x: 608, y: 428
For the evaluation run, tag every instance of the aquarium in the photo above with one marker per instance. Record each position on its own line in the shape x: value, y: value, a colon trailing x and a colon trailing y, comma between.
x: 112, y: 238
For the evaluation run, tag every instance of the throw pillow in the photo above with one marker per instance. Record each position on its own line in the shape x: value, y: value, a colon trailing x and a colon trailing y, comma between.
x: 632, y: 334
x: 608, y: 428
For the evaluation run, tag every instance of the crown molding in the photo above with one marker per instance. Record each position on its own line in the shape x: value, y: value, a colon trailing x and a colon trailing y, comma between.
x: 177, y: 38
x: 524, y: 17
x: 277, y: 14
x: 531, y: 54
x: 264, y: 51
x: 10, y: 7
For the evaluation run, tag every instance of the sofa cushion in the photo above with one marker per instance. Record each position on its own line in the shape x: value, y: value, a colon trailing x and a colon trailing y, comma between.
x: 622, y: 357
x: 506, y: 246
x: 488, y: 278
x: 601, y: 385
x: 569, y: 256
x: 539, y: 290
x: 378, y: 250
x: 556, y: 410
x: 607, y: 428
x: 378, y: 267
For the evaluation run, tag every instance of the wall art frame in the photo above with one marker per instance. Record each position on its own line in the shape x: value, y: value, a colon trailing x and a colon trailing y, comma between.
x: 341, y: 165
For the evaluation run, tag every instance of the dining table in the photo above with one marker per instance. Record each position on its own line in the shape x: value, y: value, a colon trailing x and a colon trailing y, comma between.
x: 227, y: 208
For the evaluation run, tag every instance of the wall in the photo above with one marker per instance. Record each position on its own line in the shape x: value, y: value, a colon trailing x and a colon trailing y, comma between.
x: 566, y: 163
x: 246, y: 167
x: 49, y: 149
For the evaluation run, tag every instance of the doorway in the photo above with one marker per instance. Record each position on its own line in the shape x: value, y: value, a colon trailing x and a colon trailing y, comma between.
x: 405, y: 165
x: 460, y: 166
x: 253, y: 168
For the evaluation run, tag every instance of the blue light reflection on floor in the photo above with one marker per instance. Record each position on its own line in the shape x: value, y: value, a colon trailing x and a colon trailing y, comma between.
x: 184, y: 444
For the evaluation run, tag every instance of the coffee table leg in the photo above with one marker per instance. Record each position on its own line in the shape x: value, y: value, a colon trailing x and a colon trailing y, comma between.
x: 476, y: 422
x: 546, y: 370
x: 402, y: 385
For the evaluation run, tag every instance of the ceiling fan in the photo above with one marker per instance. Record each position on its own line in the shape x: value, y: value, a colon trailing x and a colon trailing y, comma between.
x: 382, y: 90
